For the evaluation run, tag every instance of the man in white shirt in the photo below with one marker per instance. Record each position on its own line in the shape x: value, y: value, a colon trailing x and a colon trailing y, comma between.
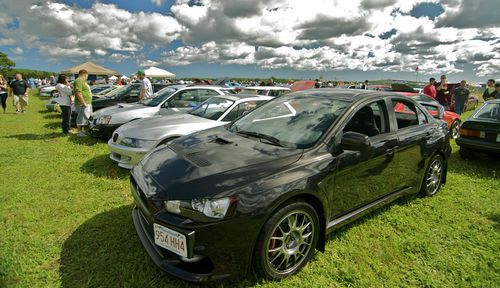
x: 146, y: 87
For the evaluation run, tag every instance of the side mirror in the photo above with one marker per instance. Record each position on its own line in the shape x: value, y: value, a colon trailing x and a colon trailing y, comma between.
x: 355, y: 141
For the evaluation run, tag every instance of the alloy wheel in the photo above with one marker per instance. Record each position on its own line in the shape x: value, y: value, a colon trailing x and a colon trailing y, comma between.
x: 290, y: 242
x: 434, y: 176
x: 455, y: 129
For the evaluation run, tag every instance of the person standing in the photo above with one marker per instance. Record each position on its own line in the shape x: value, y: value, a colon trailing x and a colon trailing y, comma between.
x: 146, y: 88
x: 83, y: 102
x: 442, y: 92
x: 430, y: 89
x: 65, y: 101
x: 461, y: 96
x: 490, y: 92
x: 3, y: 93
x: 364, y: 86
x: 20, y: 90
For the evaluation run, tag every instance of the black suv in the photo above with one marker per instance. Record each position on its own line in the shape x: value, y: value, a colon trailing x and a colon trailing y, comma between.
x: 129, y: 94
x: 263, y: 192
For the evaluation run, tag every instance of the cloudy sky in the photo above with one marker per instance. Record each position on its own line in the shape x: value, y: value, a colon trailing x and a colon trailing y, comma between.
x: 348, y: 39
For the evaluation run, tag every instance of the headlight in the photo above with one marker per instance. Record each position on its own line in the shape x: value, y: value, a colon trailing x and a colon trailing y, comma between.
x: 213, y: 208
x: 137, y: 143
x: 104, y: 120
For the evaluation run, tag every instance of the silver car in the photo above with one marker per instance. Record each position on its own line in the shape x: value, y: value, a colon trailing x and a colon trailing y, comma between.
x: 133, y: 140
x: 169, y: 100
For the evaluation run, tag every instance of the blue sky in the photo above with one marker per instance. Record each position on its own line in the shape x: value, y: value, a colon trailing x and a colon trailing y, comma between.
x: 355, y: 40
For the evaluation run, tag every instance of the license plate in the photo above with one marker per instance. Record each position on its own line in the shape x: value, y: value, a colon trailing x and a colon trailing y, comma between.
x: 170, y: 240
x: 482, y: 134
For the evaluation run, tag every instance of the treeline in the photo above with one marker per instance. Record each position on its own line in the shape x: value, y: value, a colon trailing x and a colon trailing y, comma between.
x: 28, y: 73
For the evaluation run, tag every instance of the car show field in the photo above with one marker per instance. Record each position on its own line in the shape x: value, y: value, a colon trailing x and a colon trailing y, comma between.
x: 66, y: 221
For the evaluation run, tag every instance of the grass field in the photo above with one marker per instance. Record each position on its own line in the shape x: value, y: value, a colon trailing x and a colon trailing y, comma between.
x: 65, y: 221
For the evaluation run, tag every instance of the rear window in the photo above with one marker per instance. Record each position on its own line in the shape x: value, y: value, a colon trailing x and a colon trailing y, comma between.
x: 490, y: 111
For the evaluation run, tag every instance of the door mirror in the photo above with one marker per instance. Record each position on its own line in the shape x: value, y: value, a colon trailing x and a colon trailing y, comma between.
x: 355, y: 141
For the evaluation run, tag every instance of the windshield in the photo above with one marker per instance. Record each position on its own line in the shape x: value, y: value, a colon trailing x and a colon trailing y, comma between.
x: 213, y: 108
x: 119, y: 91
x: 490, y: 111
x: 295, y: 122
x: 159, y: 96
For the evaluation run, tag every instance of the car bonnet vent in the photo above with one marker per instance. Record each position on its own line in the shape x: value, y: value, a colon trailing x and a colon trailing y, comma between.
x: 197, y: 159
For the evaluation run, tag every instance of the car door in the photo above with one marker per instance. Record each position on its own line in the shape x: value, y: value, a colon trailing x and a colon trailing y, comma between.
x: 414, y: 129
x: 363, y: 176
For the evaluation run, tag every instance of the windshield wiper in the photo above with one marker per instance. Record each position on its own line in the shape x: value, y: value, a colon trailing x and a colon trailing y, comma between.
x: 271, y: 139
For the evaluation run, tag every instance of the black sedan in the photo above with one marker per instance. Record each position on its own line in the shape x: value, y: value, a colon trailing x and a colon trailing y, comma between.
x: 481, y: 132
x: 263, y: 192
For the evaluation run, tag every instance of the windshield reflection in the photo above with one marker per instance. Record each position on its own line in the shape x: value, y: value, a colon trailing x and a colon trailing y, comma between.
x: 159, y: 96
x: 213, y: 108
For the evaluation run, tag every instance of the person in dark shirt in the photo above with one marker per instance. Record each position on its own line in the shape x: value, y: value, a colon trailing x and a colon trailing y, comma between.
x: 20, y: 90
x: 490, y: 91
x: 442, y: 92
x: 461, y: 94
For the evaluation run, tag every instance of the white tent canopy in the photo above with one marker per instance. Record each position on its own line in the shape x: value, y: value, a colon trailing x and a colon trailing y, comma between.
x: 113, y: 78
x: 155, y: 72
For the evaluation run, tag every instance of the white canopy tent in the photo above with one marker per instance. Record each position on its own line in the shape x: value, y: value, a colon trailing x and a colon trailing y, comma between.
x: 113, y: 78
x: 155, y: 72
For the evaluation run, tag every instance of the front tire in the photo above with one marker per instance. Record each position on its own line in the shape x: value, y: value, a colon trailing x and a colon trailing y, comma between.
x: 433, y: 176
x: 287, y: 241
x: 455, y: 129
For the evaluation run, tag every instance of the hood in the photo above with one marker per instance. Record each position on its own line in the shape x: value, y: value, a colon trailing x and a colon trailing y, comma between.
x: 158, y: 127
x: 210, y: 163
x: 120, y: 108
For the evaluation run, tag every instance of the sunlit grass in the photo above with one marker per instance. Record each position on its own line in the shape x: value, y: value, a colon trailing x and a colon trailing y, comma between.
x: 65, y: 221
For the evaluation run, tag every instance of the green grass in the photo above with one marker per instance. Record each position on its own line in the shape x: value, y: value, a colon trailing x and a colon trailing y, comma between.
x: 65, y: 221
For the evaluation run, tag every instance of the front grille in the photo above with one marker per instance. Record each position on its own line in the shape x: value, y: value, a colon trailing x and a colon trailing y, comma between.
x: 115, y: 137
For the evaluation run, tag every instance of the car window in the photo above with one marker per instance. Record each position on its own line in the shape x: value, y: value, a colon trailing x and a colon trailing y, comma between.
x: 370, y: 120
x: 262, y: 92
x: 205, y: 94
x: 489, y: 111
x: 275, y: 93
x: 422, y: 118
x: 184, y: 99
x: 406, y: 113
x: 213, y: 108
x: 241, y: 109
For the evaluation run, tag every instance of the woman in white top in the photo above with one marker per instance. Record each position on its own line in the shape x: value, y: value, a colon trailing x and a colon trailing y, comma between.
x: 65, y: 102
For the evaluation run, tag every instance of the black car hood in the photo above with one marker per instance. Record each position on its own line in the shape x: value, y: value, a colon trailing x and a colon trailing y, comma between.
x: 208, y: 164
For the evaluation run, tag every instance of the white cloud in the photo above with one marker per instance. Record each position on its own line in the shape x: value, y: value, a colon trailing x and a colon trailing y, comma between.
x: 158, y: 2
x: 17, y: 50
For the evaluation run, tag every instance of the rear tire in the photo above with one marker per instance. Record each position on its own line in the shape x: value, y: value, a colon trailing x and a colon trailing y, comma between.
x: 433, y: 177
x: 287, y: 241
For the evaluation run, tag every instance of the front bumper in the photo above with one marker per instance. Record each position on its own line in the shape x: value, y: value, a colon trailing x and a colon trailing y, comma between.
x: 219, y: 250
x: 478, y: 144
x: 102, y: 131
x: 126, y: 157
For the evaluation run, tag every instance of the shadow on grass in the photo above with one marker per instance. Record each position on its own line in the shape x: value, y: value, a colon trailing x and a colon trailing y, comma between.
x: 85, y: 141
x: 479, y: 164
x: 105, y: 251
x: 44, y: 111
x: 102, y: 166
x: 53, y: 125
x: 52, y: 116
x: 496, y: 221
x: 30, y: 136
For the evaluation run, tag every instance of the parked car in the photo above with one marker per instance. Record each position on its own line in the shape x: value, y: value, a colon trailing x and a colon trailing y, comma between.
x: 48, y: 91
x: 170, y: 100
x: 133, y: 140
x: 274, y: 91
x: 99, y: 89
x: 481, y: 132
x: 263, y: 192
x: 128, y: 94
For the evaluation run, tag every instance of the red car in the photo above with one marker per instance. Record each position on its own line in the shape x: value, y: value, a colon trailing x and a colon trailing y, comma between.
x: 436, y: 110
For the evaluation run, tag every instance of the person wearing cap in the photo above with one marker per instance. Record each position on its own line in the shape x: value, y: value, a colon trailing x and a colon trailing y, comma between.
x: 83, y: 103
x: 496, y: 93
x: 461, y: 94
x: 442, y: 92
x: 430, y: 89
x: 146, y: 87
x: 491, y: 90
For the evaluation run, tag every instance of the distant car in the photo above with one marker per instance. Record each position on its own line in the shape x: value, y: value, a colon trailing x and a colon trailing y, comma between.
x: 481, y: 132
x: 133, y: 140
x: 263, y: 193
x: 48, y: 91
x: 273, y: 91
x: 170, y: 100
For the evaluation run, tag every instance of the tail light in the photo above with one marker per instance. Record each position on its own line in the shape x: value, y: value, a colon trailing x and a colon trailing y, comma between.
x: 468, y: 133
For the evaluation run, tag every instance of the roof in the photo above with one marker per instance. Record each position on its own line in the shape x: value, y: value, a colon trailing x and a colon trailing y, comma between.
x: 92, y: 69
x: 237, y: 97
x: 155, y: 72
x: 267, y: 88
x: 350, y: 95
x: 496, y: 101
